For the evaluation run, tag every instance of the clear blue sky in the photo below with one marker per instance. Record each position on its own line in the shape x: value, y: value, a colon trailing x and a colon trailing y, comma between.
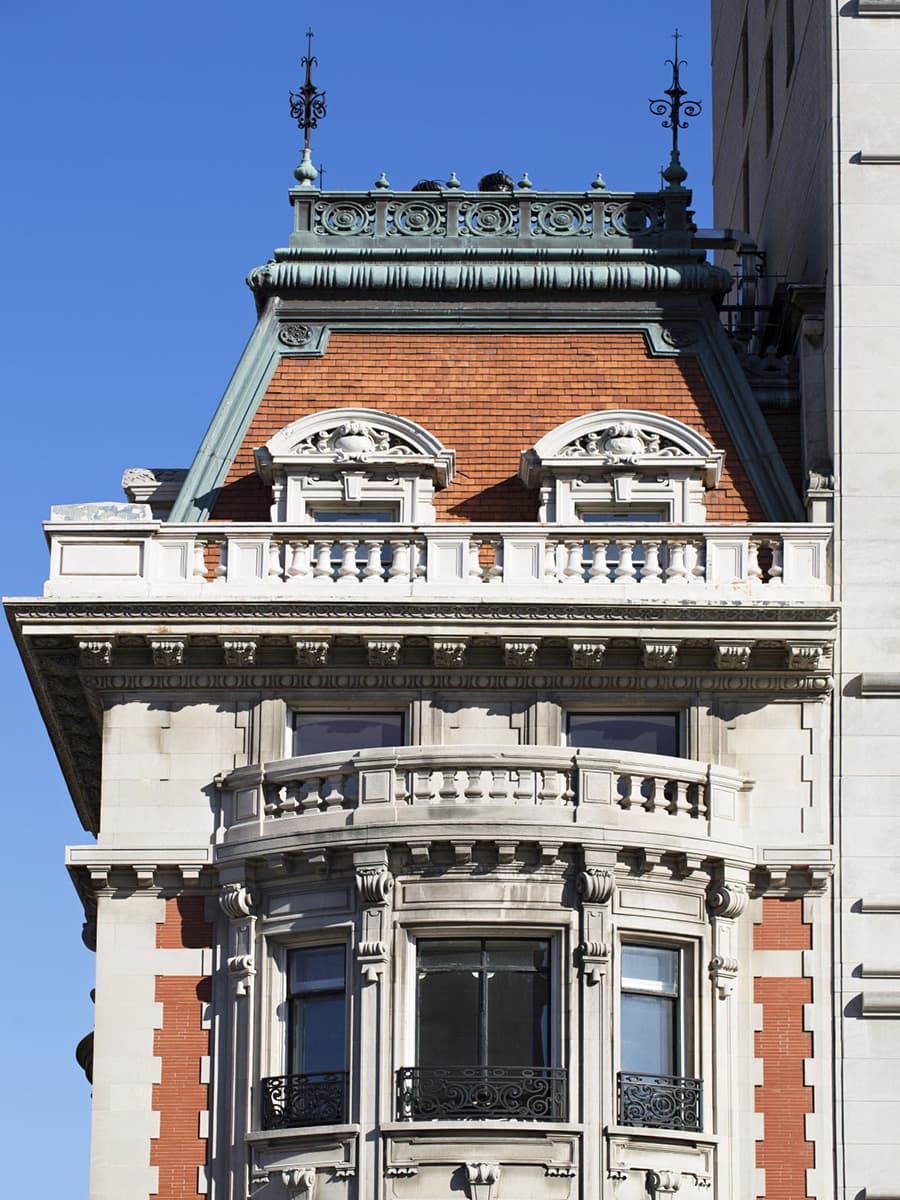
x: 147, y: 153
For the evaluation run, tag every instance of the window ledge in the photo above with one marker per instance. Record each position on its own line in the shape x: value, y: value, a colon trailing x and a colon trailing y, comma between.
x: 646, y: 1133
x: 302, y: 1132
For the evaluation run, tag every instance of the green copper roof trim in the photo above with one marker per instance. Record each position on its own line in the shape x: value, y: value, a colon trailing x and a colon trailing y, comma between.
x: 679, y: 332
x: 229, y: 426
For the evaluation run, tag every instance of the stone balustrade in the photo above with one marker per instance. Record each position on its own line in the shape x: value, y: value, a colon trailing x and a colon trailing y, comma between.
x: 605, y: 787
x: 606, y: 562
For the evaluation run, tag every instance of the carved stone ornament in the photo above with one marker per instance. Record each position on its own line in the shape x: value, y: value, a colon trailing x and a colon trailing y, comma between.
x: 401, y: 1171
x: 659, y: 654
x: 449, y: 652
x: 240, y: 652
x: 374, y: 884
x: 587, y: 654
x: 236, y: 901
x: 383, y: 653
x: 804, y: 656
x: 168, y: 652
x: 679, y: 336
x: 727, y: 900
x: 295, y: 334
x: 663, y: 1183
x: 595, y: 884
x: 733, y: 656
x: 95, y: 653
x: 483, y: 1179
x: 299, y: 1181
x: 354, y: 441
x: 621, y: 443
x: 519, y: 654
x: 241, y: 971
x: 312, y: 652
x: 723, y: 971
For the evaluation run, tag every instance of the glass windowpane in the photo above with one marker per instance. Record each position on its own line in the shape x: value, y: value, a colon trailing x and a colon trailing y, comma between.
x: 641, y: 733
x: 336, y: 733
x: 449, y: 1018
x: 650, y: 968
x: 648, y: 1034
x: 317, y: 969
x: 318, y: 1034
x: 517, y: 1011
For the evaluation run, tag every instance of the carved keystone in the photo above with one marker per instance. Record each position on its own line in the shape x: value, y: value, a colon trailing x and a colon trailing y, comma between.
x: 483, y: 1179
x: 299, y: 1181
x: 663, y: 1183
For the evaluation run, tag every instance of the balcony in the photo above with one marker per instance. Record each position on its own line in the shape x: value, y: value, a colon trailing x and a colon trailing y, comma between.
x: 413, y: 783
x: 660, y: 1101
x: 775, y: 564
x: 292, y: 1101
x: 481, y: 1093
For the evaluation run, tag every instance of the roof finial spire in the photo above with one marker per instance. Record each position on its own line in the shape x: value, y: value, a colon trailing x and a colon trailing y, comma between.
x: 675, y: 110
x: 307, y: 109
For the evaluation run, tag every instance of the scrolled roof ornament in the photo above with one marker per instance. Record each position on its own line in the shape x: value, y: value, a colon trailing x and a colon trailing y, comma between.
x: 621, y: 443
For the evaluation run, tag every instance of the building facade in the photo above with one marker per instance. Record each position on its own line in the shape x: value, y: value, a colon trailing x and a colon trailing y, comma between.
x: 455, y: 732
x: 806, y: 162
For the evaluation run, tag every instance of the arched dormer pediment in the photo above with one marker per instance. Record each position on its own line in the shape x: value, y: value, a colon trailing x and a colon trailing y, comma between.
x: 624, y: 462
x: 361, y: 460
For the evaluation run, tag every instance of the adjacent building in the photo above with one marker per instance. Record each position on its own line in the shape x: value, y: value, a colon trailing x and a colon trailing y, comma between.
x: 807, y: 163
x: 455, y: 732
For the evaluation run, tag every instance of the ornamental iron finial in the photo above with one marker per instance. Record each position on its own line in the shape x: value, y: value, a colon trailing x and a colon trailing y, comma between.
x: 676, y: 111
x: 307, y: 109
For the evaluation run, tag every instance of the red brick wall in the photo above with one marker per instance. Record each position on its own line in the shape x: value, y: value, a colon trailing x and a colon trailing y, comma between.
x: 487, y: 396
x: 783, y: 1098
x: 179, y: 1152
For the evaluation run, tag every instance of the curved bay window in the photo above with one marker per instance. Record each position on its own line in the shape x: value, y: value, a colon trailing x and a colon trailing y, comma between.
x: 314, y: 1090
x: 654, y: 1089
x: 483, y: 1026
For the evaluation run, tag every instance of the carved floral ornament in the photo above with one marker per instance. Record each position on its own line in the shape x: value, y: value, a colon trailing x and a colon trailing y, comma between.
x: 347, y: 437
x: 622, y: 439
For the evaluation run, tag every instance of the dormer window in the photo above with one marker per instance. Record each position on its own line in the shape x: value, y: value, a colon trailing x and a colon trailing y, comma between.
x: 352, y: 464
x: 621, y: 466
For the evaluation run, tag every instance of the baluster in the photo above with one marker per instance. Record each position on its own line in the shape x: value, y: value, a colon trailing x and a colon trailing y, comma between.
x: 551, y: 787
x: 274, y: 560
x: 573, y: 571
x: 473, y: 789
x: 625, y: 571
x: 348, y: 572
x: 199, y: 561
x: 297, y: 557
x: 523, y: 792
x: 599, y: 569
x: 334, y: 792
x: 402, y: 793
x: 679, y: 796
x: 270, y: 808
x: 475, y: 573
x: 651, y: 571
x: 323, y: 571
x: 677, y: 572
x: 551, y: 566
x: 630, y: 791
x: 776, y: 571
x: 754, y: 571
x: 373, y: 572
x: 494, y: 573
x: 310, y: 797
x: 499, y: 789
x: 419, y: 550
x: 568, y: 792
x: 399, y: 568
x: 448, y: 790
x: 423, y: 792
x: 287, y: 799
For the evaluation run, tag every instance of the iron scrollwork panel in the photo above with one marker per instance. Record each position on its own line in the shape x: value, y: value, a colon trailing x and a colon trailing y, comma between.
x: 486, y: 1093
x: 660, y: 1101
x: 289, y: 1101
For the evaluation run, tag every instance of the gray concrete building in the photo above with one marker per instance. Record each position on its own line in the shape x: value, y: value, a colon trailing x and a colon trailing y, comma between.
x: 807, y: 163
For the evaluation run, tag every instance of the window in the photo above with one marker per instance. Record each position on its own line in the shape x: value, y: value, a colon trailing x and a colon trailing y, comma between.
x: 641, y: 733
x: 483, y: 1027
x: 313, y: 1092
x: 339, y: 733
x: 655, y: 1090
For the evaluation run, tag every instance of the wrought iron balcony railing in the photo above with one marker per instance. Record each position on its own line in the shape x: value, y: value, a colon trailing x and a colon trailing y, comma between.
x: 481, y: 1093
x: 660, y: 1101
x: 289, y: 1101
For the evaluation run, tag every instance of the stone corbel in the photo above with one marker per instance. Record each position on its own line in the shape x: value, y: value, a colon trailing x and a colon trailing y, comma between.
x: 595, y: 885
x: 382, y: 653
x: 726, y: 901
x: 659, y: 655
x: 483, y: 1180
x: 733, y: 656
x: 663, y: 1183
x: 239, y: 652
x: 237, y: 901
x: 299, y: 1182
x: 168, y: 652
x: 96, y: 652
x: 520, y: 654
x: 449, y: 652
x: 587, y: 654
x: 374, y: 885
x: 312, y: 652
x: 806, y: 656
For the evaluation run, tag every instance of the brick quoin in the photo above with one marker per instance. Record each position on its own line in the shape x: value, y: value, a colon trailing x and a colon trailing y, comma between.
x: 783, y: 1098
x: 179, y: 1152
x: 185, y: 927
x: 488, y: 396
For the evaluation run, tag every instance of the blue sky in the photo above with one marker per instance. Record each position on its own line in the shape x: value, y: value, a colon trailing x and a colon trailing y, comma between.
x: 148, y: 149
